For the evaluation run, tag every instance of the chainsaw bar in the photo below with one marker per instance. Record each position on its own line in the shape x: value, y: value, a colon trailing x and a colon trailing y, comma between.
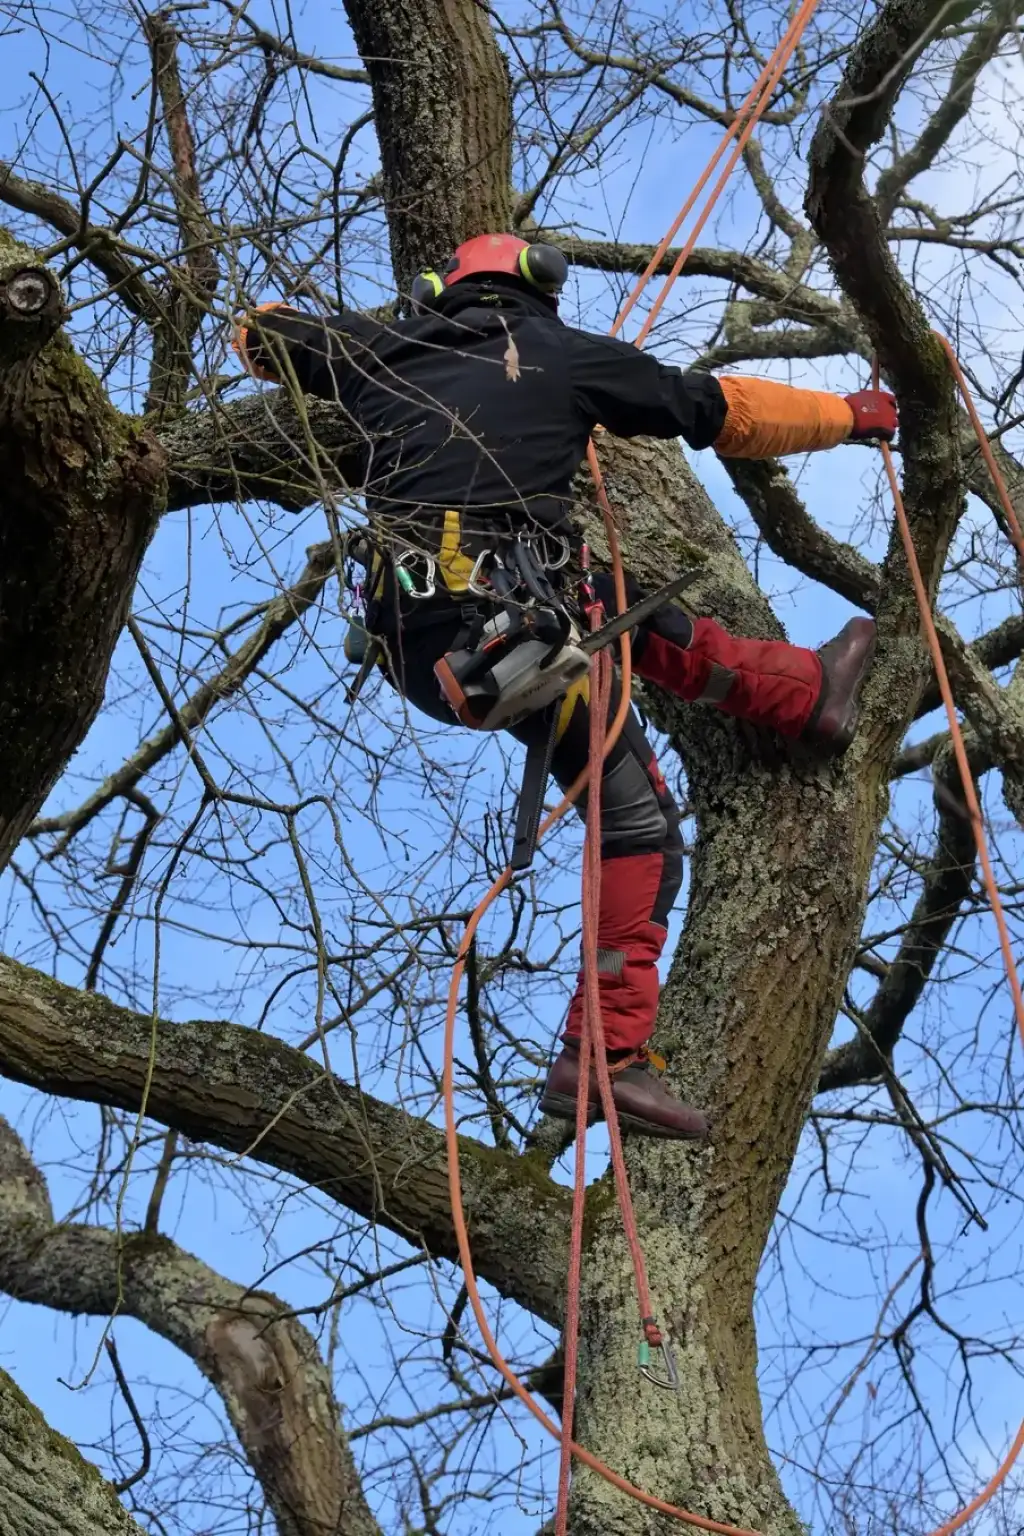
x: 599, y: 638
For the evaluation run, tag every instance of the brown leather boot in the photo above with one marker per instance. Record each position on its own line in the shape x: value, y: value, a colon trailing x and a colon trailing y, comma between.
x: 643, y: 1102
x: 844, y: 666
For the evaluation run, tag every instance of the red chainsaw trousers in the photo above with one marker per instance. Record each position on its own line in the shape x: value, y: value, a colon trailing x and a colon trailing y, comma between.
x: 768, y: 683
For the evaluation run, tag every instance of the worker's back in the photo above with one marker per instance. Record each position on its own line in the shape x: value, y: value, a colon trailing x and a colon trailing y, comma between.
x: 470, y: 405
x: 486, y: 400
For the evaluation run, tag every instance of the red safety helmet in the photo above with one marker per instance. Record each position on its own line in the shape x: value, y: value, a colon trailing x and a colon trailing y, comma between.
x: 543, y: 267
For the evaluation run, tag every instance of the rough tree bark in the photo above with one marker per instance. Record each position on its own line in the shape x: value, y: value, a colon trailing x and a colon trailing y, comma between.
x: 48, y: 1488
x: 441, y: 103
x: 82, y: 489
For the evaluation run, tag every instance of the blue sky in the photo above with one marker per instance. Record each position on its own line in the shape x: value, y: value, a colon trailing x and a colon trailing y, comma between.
x: 214, y: 562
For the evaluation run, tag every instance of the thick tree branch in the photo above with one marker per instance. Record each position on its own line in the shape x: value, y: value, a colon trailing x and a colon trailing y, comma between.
x: 259, y: 1357
x: 265, y: 446
x: 947, y: 885
x: 442, y: 111
x: 83, y: 489
x: 792, y: 534
x: 847, y: 221
x: 997, y: 714
x: 997, y: 648
x: 47, y: 1488
x: 980, y: 481
x: 251, y: 1094
x: 794, y: 300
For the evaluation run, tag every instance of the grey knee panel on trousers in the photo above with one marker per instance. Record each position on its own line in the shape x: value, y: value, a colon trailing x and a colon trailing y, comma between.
x: 630, y: 813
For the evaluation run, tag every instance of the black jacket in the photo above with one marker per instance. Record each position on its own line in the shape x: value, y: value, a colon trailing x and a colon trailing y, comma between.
x: 485, y: 402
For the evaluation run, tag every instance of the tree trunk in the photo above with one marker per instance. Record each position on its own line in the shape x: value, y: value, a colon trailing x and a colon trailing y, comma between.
x: 46, y: 1487
x: 82, y: 487
x: 778, y: 885
x: 441, y: 104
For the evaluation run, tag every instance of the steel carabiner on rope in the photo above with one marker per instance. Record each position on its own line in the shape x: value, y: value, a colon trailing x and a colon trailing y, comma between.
x: 670, y: 1381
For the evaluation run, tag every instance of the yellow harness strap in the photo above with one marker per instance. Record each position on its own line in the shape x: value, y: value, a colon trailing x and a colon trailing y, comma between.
x: 455, y: 567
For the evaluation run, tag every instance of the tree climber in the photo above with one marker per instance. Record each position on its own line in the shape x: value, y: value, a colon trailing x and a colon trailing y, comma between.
x: 474, y: 415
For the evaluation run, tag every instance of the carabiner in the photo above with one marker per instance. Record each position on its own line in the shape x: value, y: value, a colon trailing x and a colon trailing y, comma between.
x: 404, y: 576
x: 543, y: 542
x: 670, y: 1381
x: 477, y: 583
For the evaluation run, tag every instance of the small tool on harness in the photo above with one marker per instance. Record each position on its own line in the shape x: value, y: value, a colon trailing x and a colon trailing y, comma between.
x: 360, y: 645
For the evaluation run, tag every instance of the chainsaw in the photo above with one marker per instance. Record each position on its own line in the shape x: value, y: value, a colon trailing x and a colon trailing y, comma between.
x: 529, y: 658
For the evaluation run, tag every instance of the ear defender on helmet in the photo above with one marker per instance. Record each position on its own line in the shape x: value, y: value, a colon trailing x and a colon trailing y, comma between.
x: 426, y: 287
x: 543, y: 267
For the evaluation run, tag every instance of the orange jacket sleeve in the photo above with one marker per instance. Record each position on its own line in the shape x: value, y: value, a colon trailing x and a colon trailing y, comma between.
x: 766, y: 420
x: 256, y: 359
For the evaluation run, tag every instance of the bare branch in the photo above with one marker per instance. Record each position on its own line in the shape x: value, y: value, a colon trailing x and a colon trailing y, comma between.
x: 248, y: 1344
x: 946, y: 886
x: 137, y: 1419
x: 244, y: 1091
x: 981, y: 49
x: 173, y: 336
x: 102, y: 248
x: 280, y: 614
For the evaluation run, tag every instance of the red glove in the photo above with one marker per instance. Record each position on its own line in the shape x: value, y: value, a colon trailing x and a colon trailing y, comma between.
x: 874, y: 416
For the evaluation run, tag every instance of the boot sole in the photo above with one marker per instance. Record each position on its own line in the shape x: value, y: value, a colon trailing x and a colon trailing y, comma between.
x: 561, y: 1107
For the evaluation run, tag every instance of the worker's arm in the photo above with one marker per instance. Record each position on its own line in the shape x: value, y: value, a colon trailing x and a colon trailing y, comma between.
x: 276, y: 342
x: 632, y: 394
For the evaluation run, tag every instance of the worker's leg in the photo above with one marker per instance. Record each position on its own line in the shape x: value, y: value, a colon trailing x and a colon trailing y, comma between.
x: 797, y: 692
x: 641, y: 855
x: 641, y: 872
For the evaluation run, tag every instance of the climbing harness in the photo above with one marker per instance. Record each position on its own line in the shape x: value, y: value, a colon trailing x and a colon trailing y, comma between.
x: 603, y: 738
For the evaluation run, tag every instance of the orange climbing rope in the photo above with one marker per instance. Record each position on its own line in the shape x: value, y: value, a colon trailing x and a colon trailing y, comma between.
x: 986, y: 447
x: 602, y: 739
x: 970, y: 797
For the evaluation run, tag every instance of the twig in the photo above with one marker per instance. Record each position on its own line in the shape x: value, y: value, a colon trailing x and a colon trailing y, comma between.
x: 126, y: 1393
